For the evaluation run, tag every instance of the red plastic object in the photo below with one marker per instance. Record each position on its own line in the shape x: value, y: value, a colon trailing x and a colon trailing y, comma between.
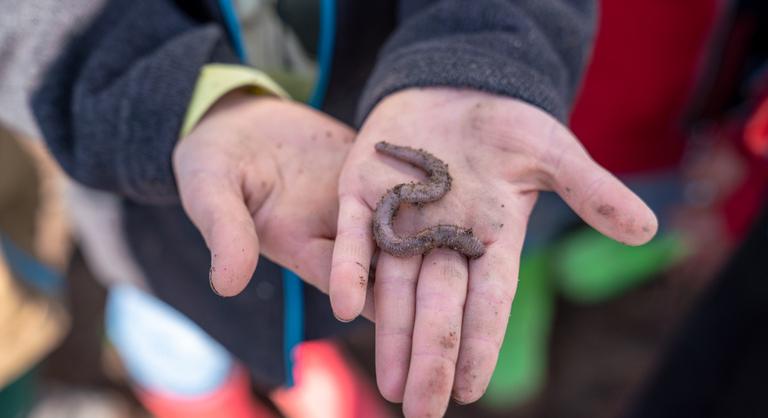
x: 647, y: 60
x: 756, y: 132
x: 327, y: 386
x: 232, y: 400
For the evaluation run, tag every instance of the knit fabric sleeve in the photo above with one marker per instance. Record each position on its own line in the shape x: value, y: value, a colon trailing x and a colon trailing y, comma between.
x: 112, y: 105
x: 533, y: 50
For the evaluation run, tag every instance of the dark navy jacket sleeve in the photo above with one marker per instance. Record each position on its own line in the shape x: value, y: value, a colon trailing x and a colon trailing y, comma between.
x: 112, y: 106
x: 534, y: 50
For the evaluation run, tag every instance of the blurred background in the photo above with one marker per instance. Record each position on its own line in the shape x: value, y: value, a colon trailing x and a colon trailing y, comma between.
x: 675, y: 102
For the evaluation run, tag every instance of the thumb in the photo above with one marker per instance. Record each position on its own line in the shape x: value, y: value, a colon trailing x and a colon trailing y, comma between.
x: 217, y: 208
x: 603, y: 201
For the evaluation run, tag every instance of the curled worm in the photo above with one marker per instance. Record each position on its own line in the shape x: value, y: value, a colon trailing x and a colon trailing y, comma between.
x: 437, y: 185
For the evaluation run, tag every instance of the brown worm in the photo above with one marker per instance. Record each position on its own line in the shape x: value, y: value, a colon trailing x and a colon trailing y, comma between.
x: 437, y: 185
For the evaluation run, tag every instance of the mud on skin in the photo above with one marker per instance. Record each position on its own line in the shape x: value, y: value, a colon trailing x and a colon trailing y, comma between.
x: 437, y: 185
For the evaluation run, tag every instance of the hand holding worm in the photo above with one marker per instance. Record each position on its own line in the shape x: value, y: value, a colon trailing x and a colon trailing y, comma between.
x: 440, y: 317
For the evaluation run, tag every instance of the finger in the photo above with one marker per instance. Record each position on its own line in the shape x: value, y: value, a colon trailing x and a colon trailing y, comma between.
x: 351, y: 258
x: 317, y: 267
x: 217, y: 209
x: 395, y: 295
x: 603, y: 201
x: 491, y: 289
x: 314, y: 263
x: 440, y: 296
x: 369, y: 309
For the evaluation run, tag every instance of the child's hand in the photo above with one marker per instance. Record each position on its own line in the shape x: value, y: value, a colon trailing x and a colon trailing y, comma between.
x: 260, y: 175
x: 440, y: 319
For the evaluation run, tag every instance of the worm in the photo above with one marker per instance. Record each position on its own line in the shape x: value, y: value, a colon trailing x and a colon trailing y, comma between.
x: 437, y: 185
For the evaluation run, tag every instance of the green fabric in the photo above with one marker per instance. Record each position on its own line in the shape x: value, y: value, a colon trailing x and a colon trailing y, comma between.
x: 17, y: 399
x: 522, y: 367
x: 592, y: 268
x: 585, y: 267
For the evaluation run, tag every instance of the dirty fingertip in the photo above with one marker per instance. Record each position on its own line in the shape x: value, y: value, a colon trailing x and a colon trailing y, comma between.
x: 347, y: 303
x: 229, y: 276
x: 640, y: 227
x: 348, y: 297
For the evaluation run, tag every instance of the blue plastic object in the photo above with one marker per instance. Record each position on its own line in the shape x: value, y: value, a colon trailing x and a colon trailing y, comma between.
x: 163, y: 349
x: 27, y: 268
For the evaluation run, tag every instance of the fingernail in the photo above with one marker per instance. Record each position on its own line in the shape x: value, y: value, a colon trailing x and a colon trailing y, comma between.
x: 210, y: 280
x: 458, y: 401
x: 346, y: 321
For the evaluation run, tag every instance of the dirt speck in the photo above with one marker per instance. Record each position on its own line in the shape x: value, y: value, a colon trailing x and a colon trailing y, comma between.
x: 438, y: 383
x: 213, y: 288
x: 465, y: 378
x: 606, y: 210
x: 448, y: 341
x: 629, y: 226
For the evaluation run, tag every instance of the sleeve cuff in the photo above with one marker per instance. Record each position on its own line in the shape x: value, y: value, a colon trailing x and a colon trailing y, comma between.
x: 459, y: 66
x: 216, y: 80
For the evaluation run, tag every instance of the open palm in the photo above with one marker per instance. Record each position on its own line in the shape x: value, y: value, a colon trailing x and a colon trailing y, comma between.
x: 440, y: 318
